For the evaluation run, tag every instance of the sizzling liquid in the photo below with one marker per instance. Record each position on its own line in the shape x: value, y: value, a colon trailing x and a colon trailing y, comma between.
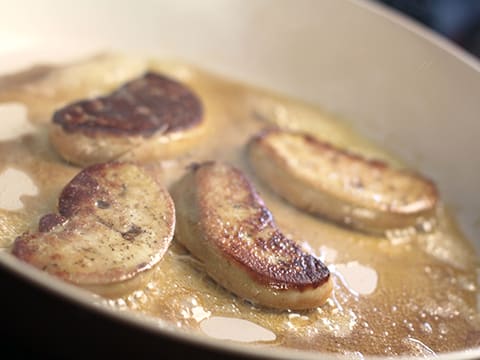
x: 407, y: 294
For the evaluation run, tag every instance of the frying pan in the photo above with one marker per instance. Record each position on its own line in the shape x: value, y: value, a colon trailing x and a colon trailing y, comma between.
x: 391, y: 79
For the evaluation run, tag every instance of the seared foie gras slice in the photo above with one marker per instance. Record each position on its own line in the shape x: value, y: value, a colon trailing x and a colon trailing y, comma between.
x: 152, y: 111
x: 223, y: 222
x: 114, y: 222
x: 321, y: 179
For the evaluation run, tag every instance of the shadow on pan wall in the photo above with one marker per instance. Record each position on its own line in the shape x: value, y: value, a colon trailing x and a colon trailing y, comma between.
x: 458, y: 20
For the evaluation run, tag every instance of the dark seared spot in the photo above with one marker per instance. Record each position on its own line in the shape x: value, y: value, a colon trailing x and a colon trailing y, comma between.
x: 268, y: 256
x: 142, y: 266
x: 49, y: 221
x: 379, y: 164
x: 194, y: 166
x: 101, y: 204
x: 296, y: 269
x: 22, y: 247
x: 335, y: 152
x: 82, y: 192
x: 150, y: 104
x: 132, y: 233
x: 265, y: 217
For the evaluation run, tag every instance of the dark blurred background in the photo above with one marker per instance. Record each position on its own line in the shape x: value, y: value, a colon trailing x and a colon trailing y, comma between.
x: 458, y: 20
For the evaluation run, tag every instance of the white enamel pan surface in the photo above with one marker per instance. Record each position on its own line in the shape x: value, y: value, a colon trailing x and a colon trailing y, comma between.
x: 393, y: 80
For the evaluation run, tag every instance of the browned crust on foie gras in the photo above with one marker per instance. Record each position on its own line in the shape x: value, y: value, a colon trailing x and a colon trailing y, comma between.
x: 152, y: 111
x: 317, y: 177
x: 223, y: 222
x: 114, y: 223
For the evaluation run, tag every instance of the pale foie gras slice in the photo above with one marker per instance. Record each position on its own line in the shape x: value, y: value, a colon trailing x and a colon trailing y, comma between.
x: 223, y: 222
x: 322, y: 179
x: 114, y: 223
x: 150, y: 117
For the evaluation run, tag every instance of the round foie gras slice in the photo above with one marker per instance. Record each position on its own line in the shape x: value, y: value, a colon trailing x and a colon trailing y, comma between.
x: 223, y: 222
x: 114, y: 223
x: 151, y: 117
x: 317, y: 177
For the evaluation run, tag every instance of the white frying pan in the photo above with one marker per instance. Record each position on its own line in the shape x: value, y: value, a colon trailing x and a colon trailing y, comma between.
x: 395, y: 81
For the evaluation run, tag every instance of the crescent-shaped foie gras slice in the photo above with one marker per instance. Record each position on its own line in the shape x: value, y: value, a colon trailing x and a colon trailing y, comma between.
x: 317, y: 177
x: 152, y: 117
x: 114, y: 223
x: 223, y: 222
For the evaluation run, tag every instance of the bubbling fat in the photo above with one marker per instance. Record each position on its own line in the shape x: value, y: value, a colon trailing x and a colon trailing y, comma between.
x: 410, y: 293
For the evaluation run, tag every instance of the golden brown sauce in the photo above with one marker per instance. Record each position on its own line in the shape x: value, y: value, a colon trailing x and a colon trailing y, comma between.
x: 414, y: 293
